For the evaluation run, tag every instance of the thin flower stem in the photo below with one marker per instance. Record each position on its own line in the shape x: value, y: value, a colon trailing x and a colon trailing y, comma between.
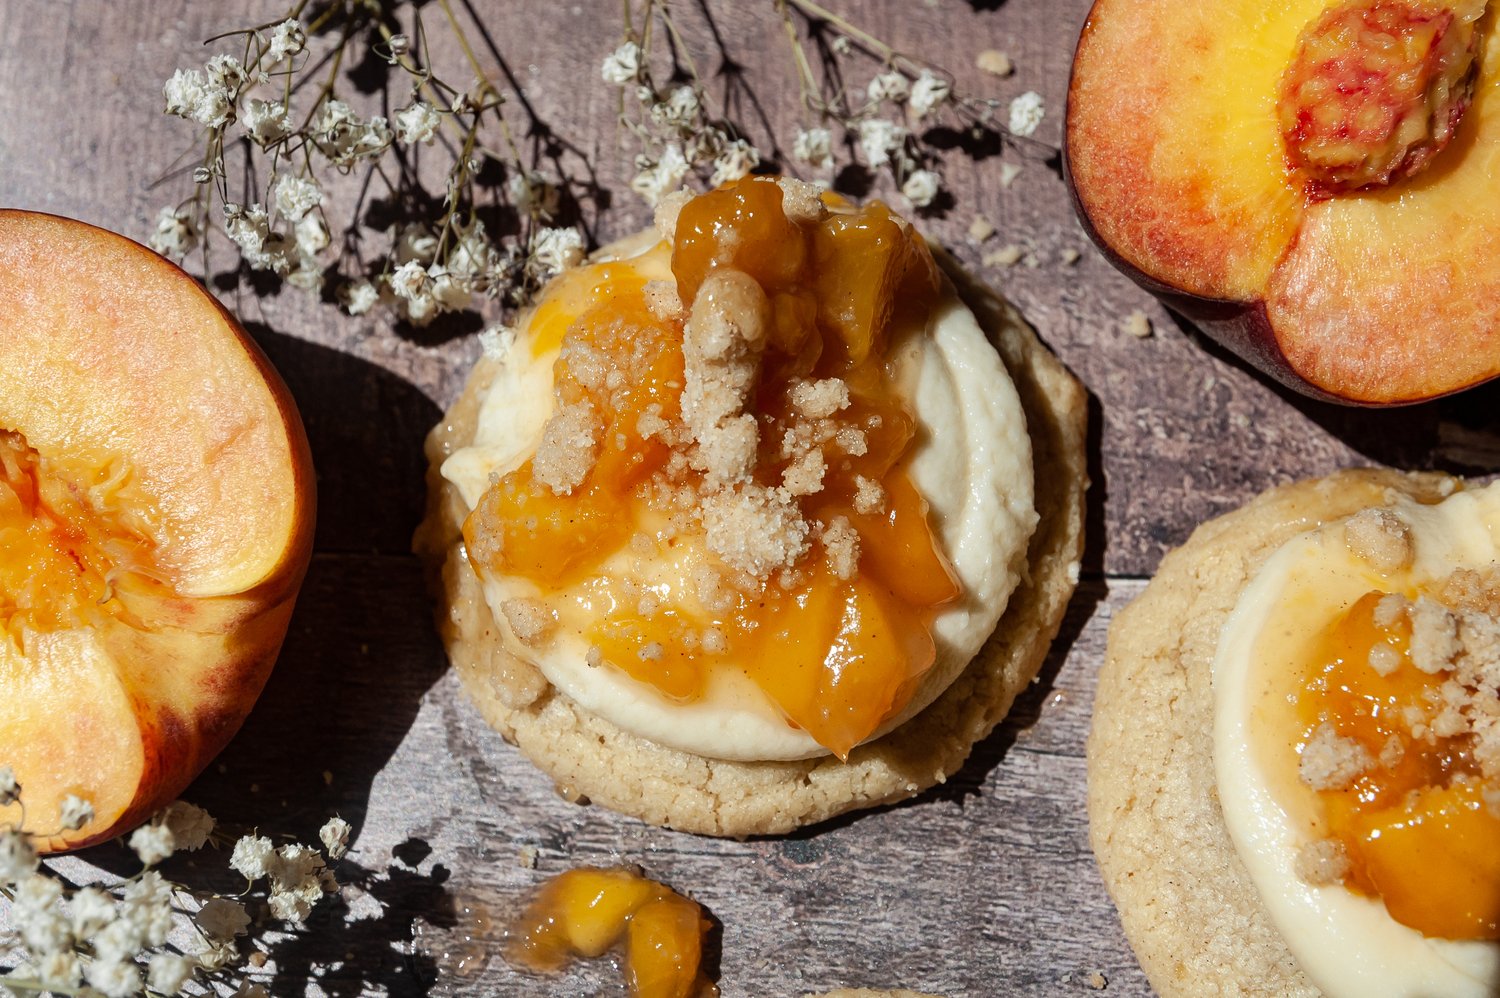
x: 806, y: 83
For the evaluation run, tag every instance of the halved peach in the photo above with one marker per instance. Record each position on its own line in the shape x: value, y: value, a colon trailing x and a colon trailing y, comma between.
x: 156, y: 518
x: 1310, y: 181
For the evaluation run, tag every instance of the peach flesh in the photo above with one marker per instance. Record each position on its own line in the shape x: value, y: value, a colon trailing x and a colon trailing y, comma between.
x: 119, y: 366
x: 1374, y: 298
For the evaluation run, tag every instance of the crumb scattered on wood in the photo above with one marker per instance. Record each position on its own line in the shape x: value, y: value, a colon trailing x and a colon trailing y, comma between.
x: 1006, y: 256
x: 1070, y: 256
x: 1138, y: 324
x: 980, y: 229
x: 995, y: 62
x: 1008, y: 173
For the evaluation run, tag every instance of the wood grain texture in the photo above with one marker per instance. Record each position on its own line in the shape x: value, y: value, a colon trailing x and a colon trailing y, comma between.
x: 984, y: 886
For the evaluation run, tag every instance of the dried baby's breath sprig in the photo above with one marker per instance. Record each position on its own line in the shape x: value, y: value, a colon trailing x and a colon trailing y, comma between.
x: 879, y: 125
x: 276, y: 101
x: 887, y: 119
x: 147, y: 935
x: 311, y: 183
x: 678, y: 131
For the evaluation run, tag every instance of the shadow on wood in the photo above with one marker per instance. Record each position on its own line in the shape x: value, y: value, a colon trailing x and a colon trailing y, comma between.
x: 1457, y: 433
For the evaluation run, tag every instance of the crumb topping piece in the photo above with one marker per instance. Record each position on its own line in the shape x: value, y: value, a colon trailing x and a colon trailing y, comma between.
x: 1380, y: 538
x: 754, y: 529
x: 530, y: 620
x: 1331, y: 761
x: 722, y: 344
x: 570, y: 439
x: 1322, y: 863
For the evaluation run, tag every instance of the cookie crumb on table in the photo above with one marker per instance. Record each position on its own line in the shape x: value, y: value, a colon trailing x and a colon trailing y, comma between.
x: 1137, y: 324
x: 995, y: 62
x: 1005, y: 256
x: 980, y: 229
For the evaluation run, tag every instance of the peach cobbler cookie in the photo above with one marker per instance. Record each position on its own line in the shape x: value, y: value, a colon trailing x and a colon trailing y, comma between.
x: 1294, y: 770
x: 726, y: 528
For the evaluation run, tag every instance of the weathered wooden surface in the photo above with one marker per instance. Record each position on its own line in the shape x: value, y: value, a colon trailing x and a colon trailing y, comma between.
x: 983, y: 887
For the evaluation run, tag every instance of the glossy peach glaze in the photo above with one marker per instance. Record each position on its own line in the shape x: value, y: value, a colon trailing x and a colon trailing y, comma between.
x: 1417, y: 832
x: 586, y: 912
x: 69, y: 542
x: 838, y: 656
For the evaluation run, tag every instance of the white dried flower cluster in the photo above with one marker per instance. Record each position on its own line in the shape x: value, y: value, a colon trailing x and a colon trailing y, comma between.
x: 555, y: 250
x: 153, y: 843
x: 176, y: 236
x: 734, y: 161
x: 290, y: 252
x: 814, y: 146
x: 18, y: 860
x: 679, y: 111
x: 420, y: 287
x: 920, y: 188
x: 1026, y: 113
x: 296, y: 196
x: 623, y: 65
x: 287, y: 39
x: 680, y: 136
x: 417, y: 122
x: 207, y: 96
x: 265, y: 121
x: 75, y: 812
x: 335, y: 837
x: 928, y: 93
x: 112, y: 942
x: 888, y: 86
x: 881, y: 141
x: 345, y: 137
x: 10, y: 790
x: 660, y: 176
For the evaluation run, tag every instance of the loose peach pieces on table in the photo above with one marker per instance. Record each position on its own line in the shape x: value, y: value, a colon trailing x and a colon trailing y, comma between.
x: 156, y: 516
x: 1313, y: 182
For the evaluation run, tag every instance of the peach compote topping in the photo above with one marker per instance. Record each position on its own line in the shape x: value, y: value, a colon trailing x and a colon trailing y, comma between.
x: 1396, y: 776
x: 62, y: 550
x: 1376, y: 90
x: 586, y: 912
x: 786, y: 460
